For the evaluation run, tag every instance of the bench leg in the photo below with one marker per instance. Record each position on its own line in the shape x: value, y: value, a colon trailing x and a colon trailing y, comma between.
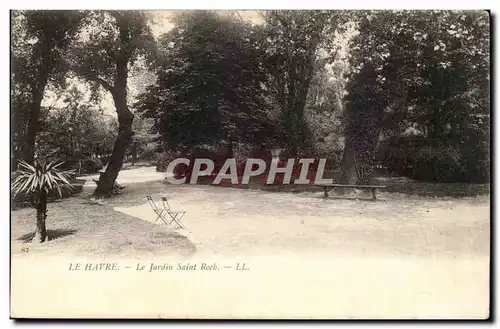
x: 373, y: 195
x: 325, y: 190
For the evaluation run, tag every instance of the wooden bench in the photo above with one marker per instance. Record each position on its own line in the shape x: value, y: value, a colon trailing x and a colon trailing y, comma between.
x: 370, y: 187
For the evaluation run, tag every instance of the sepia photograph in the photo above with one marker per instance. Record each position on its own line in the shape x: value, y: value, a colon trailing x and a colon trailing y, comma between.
x: 250, y: 164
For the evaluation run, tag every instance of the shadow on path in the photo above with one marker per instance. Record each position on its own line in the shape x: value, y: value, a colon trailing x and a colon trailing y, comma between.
x: 51, y: 234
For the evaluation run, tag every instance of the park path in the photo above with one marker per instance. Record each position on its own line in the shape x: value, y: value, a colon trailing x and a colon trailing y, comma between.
x: 240, y: 221
x: 402, y: 256
x: 135, y: 175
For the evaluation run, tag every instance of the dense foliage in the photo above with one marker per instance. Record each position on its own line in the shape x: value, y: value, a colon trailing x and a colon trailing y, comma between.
x: 405, y: 90
x: 210, y: 84
x: 112, y: 43
x: 427, y: 74
x: 77, y: 133
x: 39, y: 41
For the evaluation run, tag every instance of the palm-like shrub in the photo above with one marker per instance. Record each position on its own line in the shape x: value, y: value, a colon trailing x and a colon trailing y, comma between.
x: 37, y: 181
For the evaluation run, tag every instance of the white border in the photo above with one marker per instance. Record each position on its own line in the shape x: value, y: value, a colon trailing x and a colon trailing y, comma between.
x: 178, y: 5
x: 253, y: 5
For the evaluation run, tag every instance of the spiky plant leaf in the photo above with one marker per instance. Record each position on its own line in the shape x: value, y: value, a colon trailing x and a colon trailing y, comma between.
x: 40, y: 177
x: 27, y: 166
x: 50, y: 179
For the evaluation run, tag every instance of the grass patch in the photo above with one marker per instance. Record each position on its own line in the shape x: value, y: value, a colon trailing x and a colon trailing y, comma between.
x: 401, y: 185
x: 77, y: 226
x: 413, y: 187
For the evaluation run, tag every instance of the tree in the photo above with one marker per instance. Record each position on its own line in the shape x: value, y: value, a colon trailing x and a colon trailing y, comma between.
x: 39, y: 40
x: 429, y: 72
x: 324, y: 110
x: 450, y: 100
x: 112, y: 42
x: 143, y: 141
x: 75, y: 131
x: 209, y: 87
x: 365, y: 107
x: 40, y: 179
x: 292, y: 39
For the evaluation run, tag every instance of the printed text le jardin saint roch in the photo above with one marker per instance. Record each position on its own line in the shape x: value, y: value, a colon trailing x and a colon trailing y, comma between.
x: 159, y: 267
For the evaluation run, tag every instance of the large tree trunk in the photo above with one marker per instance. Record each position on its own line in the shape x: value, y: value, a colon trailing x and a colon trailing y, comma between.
x: 106, y: 183
x: 298, y: 89
x: 301, y: 99
x: 348, y: 173
x: 134, y: 153
x: 41, y: 215
x: 301, y: 131
x: 28, y: 152
x: 357, y: 162
x: 123, y: 140
x: 18, y: 124
x: 37, y: 90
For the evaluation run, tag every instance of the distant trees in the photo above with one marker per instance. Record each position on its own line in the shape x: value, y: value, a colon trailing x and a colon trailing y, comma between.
x: 323, y: 113
x: 224, y: 80
x: 413, y: 78
x: 76, y: 131
x: 113, y: 42
x: 39, y: 40
x: 420, y: 70
x: 210, y: 88
x: 144, y: 142
x: 292, y: 40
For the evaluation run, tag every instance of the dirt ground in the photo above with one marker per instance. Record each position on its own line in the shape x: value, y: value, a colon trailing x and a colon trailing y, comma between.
x: 401, y: 256
x: 237, y: 221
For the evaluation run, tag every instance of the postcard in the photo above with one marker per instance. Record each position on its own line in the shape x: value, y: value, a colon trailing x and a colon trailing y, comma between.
x: 237, y: 164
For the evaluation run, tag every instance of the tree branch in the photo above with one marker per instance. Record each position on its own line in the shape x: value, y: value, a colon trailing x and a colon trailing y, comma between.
x: 93, y: 77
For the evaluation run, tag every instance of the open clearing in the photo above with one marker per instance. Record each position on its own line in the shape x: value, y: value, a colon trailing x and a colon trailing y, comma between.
x: 407, y: 256
x: 243, y: 222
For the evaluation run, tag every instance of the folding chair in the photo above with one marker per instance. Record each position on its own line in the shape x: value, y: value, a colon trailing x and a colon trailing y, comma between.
x: 176, y: 216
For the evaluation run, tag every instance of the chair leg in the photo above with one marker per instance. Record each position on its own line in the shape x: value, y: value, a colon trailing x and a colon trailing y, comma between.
x: 159, y: 216
x: 177, y: 220
x: 373, y: 195
x: 325, y: 192
x: 163, y: 219
x: 173, y: 219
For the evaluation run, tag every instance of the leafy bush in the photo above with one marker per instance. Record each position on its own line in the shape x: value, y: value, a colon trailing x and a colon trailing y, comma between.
x: 91, y: 165
x: 162, y: 160
x: 476, y: 168
x: 218, y: 158
x: 148, y: 153
x: 29, y: 180
x: 439, y: 163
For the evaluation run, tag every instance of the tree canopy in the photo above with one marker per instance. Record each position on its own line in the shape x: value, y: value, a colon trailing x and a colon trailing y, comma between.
x: 425, y: 70
x: 39, y: 41
x: 210, y: 84
x: 112, y: 43
x: 408, y: 90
